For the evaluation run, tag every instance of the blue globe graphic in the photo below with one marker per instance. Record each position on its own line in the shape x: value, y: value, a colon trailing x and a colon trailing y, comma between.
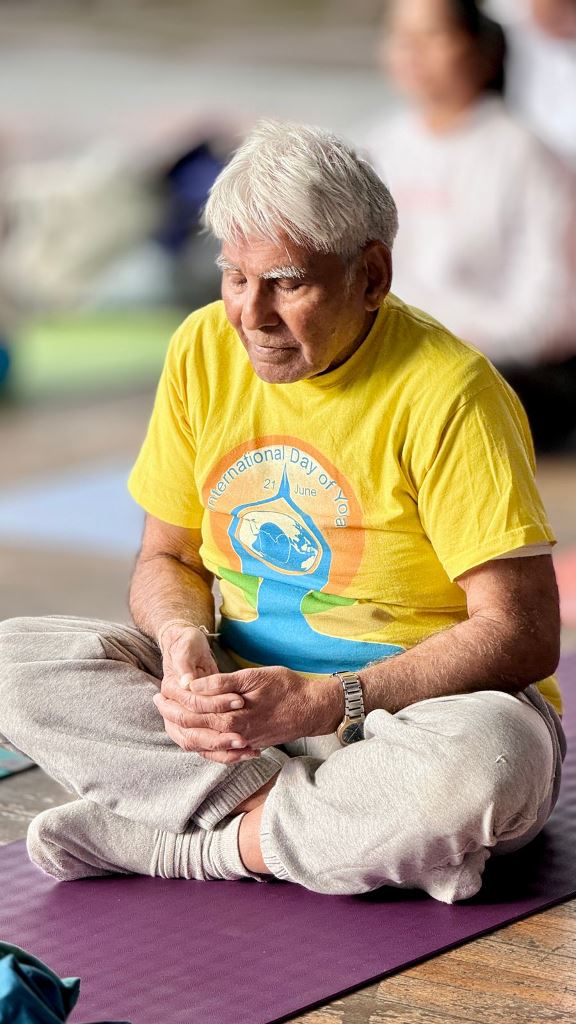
x: 283, y: 551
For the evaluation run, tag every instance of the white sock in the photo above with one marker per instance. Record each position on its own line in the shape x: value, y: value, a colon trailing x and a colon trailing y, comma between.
x: 82, y: 839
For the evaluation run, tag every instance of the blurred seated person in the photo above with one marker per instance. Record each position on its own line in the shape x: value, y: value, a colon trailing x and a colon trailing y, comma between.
x: 485, y: 209
x: 541, y: 71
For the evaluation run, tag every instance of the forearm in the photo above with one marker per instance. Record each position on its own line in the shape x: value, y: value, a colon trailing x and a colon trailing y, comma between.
x: 164, y: 588
x: 477, y: 654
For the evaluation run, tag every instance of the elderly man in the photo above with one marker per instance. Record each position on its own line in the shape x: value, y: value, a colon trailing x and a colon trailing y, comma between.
x: 379, y: 708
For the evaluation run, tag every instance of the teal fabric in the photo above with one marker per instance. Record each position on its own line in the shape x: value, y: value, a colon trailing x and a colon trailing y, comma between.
x: 31, y: 993
x: 12, y: 761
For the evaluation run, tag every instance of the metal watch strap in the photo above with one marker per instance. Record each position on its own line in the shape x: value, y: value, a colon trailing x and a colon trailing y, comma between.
x: 353, y: 700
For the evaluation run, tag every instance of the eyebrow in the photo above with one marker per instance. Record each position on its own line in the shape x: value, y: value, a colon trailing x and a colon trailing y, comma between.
x: 275, y: 273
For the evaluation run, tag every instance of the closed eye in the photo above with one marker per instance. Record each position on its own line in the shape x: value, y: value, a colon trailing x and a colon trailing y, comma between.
x: 288, y: 286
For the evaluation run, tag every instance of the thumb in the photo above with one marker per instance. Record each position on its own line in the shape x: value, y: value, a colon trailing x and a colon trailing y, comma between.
x: 193, y: 658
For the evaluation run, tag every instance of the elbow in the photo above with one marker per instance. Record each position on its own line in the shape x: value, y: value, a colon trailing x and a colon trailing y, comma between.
x: 540, y: 657
x: 549, y: 657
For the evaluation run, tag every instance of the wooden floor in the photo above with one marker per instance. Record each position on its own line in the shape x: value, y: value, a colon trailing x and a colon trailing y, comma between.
x: 523, y: 973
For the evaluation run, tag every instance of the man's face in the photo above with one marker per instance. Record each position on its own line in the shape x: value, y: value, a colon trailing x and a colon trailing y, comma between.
x: 295, y: 312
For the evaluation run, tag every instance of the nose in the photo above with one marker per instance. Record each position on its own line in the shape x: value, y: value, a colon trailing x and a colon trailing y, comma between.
x: 258, y: 308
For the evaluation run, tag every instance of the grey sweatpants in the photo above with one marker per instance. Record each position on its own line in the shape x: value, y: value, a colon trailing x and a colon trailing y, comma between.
x: 422, y: 802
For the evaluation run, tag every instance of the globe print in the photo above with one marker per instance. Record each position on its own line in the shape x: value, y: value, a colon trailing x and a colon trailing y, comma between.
x: 283, y: 548
x: 279, y: 540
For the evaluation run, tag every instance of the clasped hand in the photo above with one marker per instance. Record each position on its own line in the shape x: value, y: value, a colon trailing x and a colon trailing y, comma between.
x: 232, y: 716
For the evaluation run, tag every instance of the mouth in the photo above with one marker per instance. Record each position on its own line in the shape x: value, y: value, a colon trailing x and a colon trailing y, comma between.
x: 272, y: 351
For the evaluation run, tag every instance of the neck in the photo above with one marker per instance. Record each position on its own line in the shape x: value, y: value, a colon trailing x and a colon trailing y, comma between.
x: 442, y: 116
x: 355, y: 345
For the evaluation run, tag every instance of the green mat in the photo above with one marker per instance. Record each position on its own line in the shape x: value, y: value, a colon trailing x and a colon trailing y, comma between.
x: 89, y: 351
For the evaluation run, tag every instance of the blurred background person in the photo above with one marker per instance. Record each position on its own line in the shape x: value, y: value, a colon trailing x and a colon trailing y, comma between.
x: 486, y: 211
x: 541, y: 78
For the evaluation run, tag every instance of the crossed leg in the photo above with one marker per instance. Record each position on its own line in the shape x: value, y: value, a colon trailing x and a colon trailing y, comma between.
x: 421, y: 802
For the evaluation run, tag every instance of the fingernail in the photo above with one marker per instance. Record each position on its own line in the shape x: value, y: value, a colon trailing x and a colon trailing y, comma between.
x: 246, y: 757
x: 236, y: 703
x: 238, y: 743
x: 184, y: 681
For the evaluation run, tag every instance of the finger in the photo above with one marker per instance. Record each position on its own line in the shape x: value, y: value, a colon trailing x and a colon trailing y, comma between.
x: 217, y: 705
x: 218, y: 682
x: 229, y: 756
x: 188, y: 671
x: 186, y: 674
x: 185, y: 718
x: 182, y: 738
x: 192, y: 655
x: 204, y: 741
x: 201, y: 703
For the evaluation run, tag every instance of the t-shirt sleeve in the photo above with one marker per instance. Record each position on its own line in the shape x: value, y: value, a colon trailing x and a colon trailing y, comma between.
x: 162, y: 480
x: 479, y: 498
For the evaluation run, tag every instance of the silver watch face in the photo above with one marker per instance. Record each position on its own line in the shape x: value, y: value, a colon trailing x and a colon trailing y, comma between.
x: 352, y: 732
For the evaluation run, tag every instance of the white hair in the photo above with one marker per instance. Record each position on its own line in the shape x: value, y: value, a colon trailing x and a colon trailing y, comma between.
x: 299, y: 181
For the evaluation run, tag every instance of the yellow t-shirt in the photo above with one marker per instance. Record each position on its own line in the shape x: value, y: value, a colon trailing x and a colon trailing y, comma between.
x: 338, y: 511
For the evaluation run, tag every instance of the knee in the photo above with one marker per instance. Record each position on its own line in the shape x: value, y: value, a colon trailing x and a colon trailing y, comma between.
x: 12, y: 642
x: 20, y: 624
x: 28, y: 641
x: 19, y: 648
x: 503, y: 766
x: 499, y: 788
x: 524, y: 771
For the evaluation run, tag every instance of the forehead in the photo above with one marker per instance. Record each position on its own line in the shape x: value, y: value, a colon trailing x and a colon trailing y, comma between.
x: 420, y: 15
x: 257, y: 256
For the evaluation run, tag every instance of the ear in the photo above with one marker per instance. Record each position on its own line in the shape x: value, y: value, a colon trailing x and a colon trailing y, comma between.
x: 377, y: 266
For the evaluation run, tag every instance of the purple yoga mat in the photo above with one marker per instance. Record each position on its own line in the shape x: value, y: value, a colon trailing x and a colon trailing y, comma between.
x: 174, y: 952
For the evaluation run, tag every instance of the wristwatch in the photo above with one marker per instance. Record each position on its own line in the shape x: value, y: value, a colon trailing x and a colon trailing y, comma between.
x: 351, y: 728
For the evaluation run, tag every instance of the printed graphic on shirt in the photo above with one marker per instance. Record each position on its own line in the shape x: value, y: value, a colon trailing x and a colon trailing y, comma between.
x: 290, y: 529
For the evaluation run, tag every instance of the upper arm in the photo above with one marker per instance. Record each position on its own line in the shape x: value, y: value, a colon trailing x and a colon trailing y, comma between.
x: 520, y: 595
x: 163, y: 479
x: 477, y: 498
x: 179, y: 542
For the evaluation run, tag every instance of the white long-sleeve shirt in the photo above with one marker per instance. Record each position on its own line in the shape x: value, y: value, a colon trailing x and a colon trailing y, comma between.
x: 540, y: 76
x: 485, y: 214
